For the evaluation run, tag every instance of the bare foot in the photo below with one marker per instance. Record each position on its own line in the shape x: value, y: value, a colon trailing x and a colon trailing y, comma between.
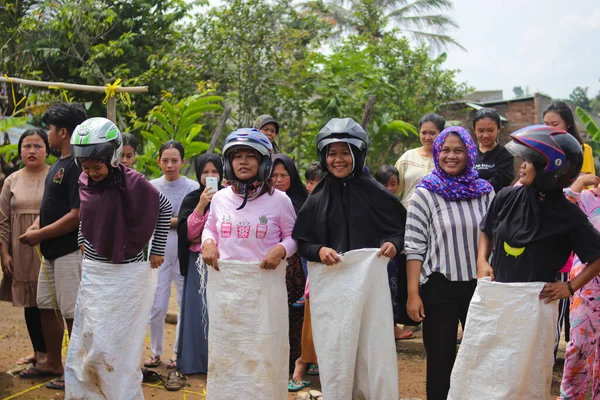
x: 401, y: 334
x: 299, y: 370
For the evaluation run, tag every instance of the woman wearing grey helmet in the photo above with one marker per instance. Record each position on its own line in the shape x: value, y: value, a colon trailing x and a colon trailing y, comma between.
x: 120, y: 212
x: 349, y: 210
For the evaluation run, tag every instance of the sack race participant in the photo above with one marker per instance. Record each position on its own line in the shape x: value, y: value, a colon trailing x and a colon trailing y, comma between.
x: 349, y: 210
x: 441, y: 248
x: 245, y: 240
x: 532, y: 230
x: 193, y: 319
x: 120, y: 211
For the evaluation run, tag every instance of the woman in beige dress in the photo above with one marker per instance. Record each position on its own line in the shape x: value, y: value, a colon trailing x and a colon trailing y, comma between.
x: 19, y: 207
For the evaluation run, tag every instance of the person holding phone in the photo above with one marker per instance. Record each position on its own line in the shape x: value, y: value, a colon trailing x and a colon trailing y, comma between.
x: 175, y: 187
x: 192, y: 350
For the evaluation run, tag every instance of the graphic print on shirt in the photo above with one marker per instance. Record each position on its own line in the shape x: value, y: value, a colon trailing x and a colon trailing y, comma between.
x: 243, y: 229
x: 59, y: 176
x: 513, y: 251
x: 261, y: 227
x: 226, y: 227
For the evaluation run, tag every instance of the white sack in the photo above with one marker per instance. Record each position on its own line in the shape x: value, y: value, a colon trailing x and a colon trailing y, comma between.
x: 353, y: 327
x: 248, y: 345
x: 111, y: 315
x: 507, y: 350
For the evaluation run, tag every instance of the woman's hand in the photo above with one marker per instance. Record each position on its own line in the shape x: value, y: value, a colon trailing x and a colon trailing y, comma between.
x: 414, y: 308
x: 205, y: 199
x: 329, y: 256
x: 485, y: 269
x: 554, y: 291
x: 7, y: 265
x: 210, y: 254
x: 273, y: 257
x: 387, y: 250
x: 156, y: 261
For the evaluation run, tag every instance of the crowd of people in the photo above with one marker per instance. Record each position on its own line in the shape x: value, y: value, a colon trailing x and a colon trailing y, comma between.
x: 90, y: 248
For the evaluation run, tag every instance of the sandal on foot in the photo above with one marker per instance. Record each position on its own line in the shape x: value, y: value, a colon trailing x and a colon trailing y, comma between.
x: 152, y: 362
x: 56, y: 384
x: 295, y: 387
x: 313, y: 369
x: 35, y: 372
x: 172, y: 364
x: 176, y: 381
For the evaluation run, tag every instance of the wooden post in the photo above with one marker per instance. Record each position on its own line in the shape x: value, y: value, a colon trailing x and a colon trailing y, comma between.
x: 368, y: 112
x: 111, y: 109
x: 219, y: 130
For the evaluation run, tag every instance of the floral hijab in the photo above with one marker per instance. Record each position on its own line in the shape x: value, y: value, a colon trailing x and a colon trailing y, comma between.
x: 465, y: 186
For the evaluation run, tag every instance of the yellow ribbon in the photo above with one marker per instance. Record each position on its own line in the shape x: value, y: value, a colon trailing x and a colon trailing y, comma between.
x: 12, y: 88
x: 111, y: 91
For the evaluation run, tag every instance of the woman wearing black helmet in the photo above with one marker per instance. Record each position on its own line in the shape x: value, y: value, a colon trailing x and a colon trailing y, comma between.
x: 347, y: 211
x: 532, y: 230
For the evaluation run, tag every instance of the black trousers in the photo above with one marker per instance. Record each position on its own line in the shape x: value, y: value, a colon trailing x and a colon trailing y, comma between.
x: 33, y: 320
x: 445, y: 304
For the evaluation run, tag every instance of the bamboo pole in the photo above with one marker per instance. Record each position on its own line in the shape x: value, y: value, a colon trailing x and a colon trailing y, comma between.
x: 367, y: 112
x: 111, y: 109
x: 73, y: 86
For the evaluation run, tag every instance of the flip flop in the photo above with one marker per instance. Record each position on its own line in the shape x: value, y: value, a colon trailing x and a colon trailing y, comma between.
x: 295, y: 387
x: 313, y: 369
x: 37, y: 373
x: 56, y: 384
x: 172, y: 364
x: 153, y: 363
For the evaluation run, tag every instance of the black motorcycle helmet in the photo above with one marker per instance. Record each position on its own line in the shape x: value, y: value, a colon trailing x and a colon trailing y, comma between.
x: 344, y: 130
x: 556, y: 155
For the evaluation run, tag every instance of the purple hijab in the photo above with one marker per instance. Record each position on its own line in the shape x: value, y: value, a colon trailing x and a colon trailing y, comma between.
x: 465, y: 186
x: 119, y: 214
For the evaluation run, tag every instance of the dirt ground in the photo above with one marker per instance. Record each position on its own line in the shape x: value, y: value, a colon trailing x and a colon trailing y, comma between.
x: 14, y: 343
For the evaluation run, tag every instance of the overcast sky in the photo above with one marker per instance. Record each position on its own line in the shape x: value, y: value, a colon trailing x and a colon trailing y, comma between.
x: 551, y: 46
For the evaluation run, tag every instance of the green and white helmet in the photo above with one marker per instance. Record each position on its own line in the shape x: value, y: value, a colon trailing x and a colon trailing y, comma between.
x: 97, y: 139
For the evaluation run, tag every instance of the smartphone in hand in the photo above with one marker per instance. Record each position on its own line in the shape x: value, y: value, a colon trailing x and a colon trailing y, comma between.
x: 212, y: 182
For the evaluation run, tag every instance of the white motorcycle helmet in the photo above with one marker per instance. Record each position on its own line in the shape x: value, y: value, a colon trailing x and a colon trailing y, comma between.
x: 97, y: 139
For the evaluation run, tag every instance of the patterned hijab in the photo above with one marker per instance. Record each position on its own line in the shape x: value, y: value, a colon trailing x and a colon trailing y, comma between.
x: 465, y: 186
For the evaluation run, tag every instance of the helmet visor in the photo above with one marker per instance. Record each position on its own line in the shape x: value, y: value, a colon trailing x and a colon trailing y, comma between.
x: 359, y: 144
x: 526, y: 154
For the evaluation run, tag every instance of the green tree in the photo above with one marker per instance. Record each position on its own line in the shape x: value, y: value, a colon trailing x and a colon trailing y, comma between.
x: 518, y: 91
x: 579, y: 97
x: 258, y: 52
x: 425, y: 21
x: 407, y: 83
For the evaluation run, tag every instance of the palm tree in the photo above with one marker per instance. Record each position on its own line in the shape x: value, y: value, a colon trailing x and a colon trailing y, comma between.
x: 422, y: 20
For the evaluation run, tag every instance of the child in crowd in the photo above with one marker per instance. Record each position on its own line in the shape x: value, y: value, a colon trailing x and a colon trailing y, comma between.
x: 389, y: 177
x: 120, y: 212
x: 313, y: 175
x: 582, y: 356
x: 129, y: 149
x: 175, y: 187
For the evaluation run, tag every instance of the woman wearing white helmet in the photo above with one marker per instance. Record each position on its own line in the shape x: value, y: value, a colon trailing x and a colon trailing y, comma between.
x: 120, y: 212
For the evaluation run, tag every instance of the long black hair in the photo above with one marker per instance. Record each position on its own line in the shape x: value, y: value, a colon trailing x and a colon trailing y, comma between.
x: 487, y: 112
x: 563, y: 109
x: 172, y: 144
x: 35, y: 131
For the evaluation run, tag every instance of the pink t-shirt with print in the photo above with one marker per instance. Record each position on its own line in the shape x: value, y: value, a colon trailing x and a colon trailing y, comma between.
x: 248, y: 234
